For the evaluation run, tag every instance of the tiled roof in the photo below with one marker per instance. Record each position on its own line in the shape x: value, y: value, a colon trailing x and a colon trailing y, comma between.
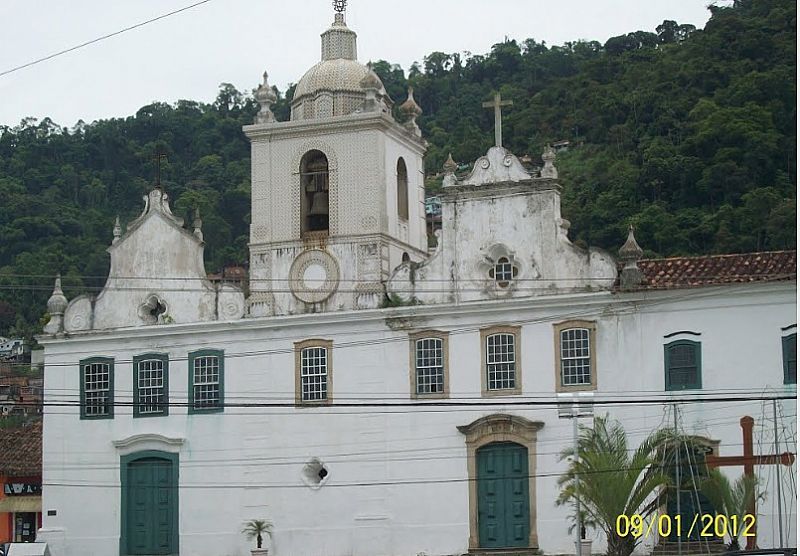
x: 21, y: 451
x: 709, y: 270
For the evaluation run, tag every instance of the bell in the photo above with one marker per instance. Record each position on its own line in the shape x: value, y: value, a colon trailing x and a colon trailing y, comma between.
x: 319, y: 205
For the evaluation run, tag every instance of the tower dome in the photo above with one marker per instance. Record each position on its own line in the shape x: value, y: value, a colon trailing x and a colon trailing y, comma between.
x: 333, y: 87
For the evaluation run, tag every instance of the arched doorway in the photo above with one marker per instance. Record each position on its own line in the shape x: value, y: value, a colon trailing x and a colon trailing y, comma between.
x: 501, y: 463
x: 149, y: 503
x: 503, y: 497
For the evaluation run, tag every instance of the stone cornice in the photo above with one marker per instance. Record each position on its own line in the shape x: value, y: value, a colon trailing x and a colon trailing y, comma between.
x: 338, y: 239
x: 336, y: 124
x: 603, y: 302
x: 455, y: 193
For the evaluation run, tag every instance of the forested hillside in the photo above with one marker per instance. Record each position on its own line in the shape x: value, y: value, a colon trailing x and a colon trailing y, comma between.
x: 688, y: 134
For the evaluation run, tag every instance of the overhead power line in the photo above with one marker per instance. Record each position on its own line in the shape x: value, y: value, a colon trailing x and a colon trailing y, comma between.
x: 430, y: 403
x: 98, y: 39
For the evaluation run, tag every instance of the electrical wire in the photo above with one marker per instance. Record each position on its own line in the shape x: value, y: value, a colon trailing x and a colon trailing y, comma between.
x: 602, y: 311
x: 98, y: 39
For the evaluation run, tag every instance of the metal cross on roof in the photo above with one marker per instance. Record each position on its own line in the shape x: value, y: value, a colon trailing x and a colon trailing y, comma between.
x: 497, y: 103
x: 157, y: 158
x: 339, y: 6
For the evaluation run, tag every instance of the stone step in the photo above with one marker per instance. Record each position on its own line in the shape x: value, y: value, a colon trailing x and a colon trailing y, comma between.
x: 504, y: 552
x: 690, y: 548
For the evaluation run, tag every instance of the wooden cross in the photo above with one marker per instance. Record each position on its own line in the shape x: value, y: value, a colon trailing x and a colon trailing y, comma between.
x: 157, y: 158
x: 497, y: 103
x: 749, y: 461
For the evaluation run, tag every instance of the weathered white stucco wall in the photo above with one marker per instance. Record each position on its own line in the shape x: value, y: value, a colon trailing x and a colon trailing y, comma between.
x: 398, y: 476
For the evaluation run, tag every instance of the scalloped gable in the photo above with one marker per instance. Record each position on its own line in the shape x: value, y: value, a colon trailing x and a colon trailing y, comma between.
x: 157, y: 276
x: 497, y: 166
x: 502, y: 219
x: 155, y: 203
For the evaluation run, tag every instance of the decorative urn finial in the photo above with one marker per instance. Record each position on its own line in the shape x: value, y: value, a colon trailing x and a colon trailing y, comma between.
x: 549, y: 169
x: 197, y: 225
x: 265, y: 97
x: 450, y: 168
x: 412, y: 111
x: 372, y: 86
x: 450, y: 165
x: 630, y: 253
x: 117, y: 231
x: 371, y: 80
x: 56, y: 306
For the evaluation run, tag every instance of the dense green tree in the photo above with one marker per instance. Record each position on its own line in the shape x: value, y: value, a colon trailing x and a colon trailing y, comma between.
x: 689, y: 134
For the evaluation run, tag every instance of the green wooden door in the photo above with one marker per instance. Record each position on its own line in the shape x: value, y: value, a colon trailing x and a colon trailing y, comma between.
x: 151, y: 507
x: 503, y: 500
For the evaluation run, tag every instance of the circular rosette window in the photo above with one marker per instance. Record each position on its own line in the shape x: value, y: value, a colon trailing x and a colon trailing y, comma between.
x: 314, y: 276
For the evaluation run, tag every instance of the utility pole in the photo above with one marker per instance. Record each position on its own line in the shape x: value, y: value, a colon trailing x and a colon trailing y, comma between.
x: 777, y: 470
x: 578, y: 520
x: 577, y: 406
x: 677, y: 469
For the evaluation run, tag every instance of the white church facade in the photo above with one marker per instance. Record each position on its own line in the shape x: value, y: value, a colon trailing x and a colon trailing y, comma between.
x: 370, y: 397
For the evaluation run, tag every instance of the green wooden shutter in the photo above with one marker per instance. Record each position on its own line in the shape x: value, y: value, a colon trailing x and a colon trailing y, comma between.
x: 683, y: 365
x: 790, y: 359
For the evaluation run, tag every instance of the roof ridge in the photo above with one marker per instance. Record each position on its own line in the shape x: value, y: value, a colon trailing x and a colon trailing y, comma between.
x: 721, y: 255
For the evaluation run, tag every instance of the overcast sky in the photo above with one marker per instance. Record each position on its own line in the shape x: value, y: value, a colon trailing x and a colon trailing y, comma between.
x: 187, y: 55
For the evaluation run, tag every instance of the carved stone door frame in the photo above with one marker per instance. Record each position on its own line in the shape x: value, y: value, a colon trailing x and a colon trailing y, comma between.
x: 500, y: 428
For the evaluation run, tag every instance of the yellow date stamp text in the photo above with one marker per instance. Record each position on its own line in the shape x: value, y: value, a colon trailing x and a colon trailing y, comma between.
x: 703, y: 525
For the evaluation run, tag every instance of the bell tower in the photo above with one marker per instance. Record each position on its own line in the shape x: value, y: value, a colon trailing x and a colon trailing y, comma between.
x: 337, y: 191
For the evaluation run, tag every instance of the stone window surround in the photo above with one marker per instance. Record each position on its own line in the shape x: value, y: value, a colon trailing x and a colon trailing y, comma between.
x: 220, y: 354
x: 412, y: 353
x: 298, y: 381
x: 558, y: 328
x: 516, y: 331
x: 500, y: 428
x: 95, y: 360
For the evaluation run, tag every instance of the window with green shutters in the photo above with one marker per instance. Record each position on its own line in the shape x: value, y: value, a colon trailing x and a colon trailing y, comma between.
x: 790, y: 359
x: 206, y: 381
x: 151, y: 385
x: 97, y: 388
x: 682, y: 365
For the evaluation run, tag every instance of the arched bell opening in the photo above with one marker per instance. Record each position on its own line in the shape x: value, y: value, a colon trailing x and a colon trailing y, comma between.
x: 314, y: 192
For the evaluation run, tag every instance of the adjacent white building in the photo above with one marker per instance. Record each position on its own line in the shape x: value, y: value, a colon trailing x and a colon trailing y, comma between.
x: 369, y: 397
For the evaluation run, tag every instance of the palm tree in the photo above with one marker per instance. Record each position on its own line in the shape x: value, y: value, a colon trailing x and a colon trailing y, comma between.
x: 611, y: 480
x: 730, y: 499
x: 255, y: 528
